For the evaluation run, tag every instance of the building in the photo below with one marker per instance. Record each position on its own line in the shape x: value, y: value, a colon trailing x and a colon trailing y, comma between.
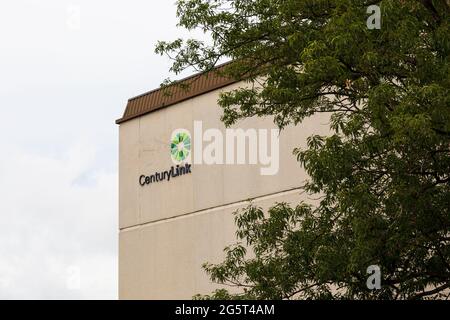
x: 170, y: 226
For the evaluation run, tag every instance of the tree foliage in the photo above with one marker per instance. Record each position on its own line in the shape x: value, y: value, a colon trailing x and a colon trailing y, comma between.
x: 383, y: 172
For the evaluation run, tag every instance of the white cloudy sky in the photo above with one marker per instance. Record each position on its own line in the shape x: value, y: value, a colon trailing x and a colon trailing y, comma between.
x: 62, y: 85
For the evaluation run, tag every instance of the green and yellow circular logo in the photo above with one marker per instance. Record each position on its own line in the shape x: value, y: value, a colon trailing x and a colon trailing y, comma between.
x: 180, y: 146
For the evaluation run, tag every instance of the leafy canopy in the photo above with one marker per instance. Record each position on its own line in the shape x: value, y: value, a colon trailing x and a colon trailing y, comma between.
x: 382, y: 173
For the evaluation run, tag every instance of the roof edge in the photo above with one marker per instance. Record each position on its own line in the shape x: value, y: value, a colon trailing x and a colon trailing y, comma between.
x: 187, y: 96
x: 137, y: 115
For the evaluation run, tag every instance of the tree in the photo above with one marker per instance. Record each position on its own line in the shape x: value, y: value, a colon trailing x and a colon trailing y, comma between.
x: 383, y: 173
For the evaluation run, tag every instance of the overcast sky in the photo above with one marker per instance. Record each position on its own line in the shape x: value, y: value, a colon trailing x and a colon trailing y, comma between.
x: 67, y: 69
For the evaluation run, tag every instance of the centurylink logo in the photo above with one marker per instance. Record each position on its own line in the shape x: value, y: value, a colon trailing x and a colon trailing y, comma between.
x: 235, y: 147
x: 211, y: 147
x: 180, y: 146
x: 180, y: 151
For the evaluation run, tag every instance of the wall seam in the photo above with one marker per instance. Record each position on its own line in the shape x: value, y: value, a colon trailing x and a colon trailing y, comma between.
x: 209, y: 209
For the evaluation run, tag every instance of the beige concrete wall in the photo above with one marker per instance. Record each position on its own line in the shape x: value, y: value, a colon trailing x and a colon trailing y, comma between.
x: 168, y: 229
x: 163, y: 260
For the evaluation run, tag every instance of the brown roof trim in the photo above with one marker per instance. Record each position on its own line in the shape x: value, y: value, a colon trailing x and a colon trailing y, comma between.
x: 198, y: 84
